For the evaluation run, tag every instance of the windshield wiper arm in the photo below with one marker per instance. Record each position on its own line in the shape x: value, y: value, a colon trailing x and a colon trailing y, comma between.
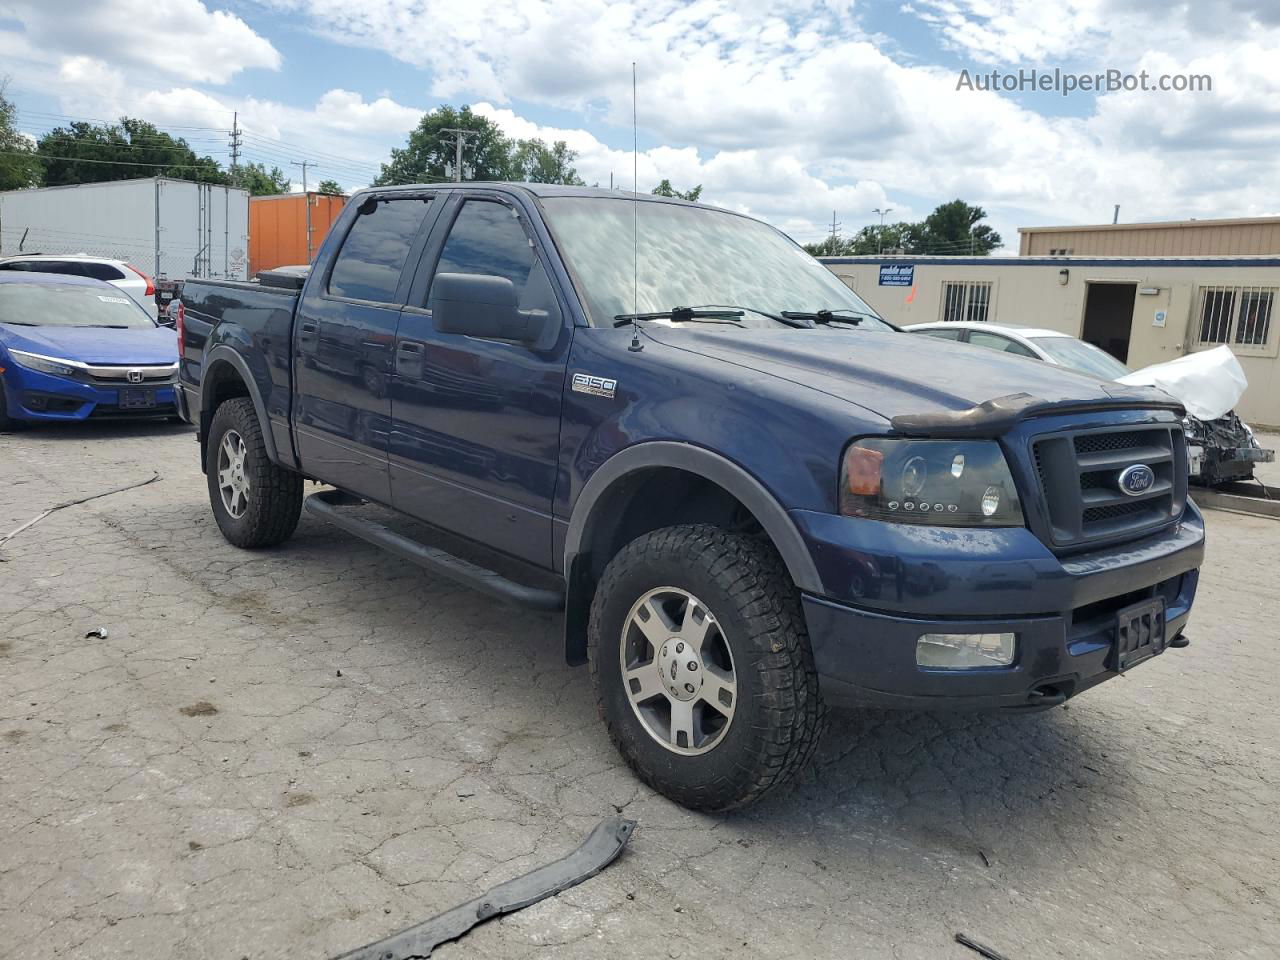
x: 827, y: 316
x: 782, y: 318
x: 679, y: 315
x: 19, y: 323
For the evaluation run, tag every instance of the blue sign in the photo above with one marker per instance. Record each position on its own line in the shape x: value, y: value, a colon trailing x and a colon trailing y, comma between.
x: 897, y: 274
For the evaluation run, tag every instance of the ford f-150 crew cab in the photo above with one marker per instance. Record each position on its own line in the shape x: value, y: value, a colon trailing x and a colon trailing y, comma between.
x: 751, y: 496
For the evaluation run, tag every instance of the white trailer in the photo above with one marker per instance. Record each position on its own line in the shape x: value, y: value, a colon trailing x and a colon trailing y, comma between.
x: 169, y: 228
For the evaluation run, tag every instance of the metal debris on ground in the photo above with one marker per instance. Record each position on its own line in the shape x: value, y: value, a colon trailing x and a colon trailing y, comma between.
x: 71, y: 503
x: 983, y: 950
x: 99, y: 632
x: 600, y: 849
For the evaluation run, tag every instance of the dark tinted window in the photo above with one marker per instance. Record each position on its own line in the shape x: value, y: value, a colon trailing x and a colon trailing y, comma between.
x: 373, y: 255
x: 488, y: 239
x: 103, y: 271
x: 48, y: 266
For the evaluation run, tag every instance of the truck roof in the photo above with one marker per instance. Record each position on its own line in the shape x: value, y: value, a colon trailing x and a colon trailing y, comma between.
x: 545, y: 190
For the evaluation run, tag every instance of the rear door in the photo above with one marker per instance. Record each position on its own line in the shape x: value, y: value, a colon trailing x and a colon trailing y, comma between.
x: 343, y: 336
x: 475, y: 439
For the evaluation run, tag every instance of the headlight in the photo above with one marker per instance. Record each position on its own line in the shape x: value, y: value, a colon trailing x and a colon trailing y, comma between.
x: 34, y: 361
x: 951, y: 483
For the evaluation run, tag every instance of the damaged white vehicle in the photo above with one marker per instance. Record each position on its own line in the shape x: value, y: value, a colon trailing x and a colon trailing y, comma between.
x: 1221, y: 448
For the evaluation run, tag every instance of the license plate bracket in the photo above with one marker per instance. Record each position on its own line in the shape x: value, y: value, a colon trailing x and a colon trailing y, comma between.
x: 137, y: 398
x: 1140, y: 633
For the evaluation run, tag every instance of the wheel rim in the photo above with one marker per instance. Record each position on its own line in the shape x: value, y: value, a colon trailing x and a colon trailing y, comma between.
x: 233, y: 481
x: 677, y: 671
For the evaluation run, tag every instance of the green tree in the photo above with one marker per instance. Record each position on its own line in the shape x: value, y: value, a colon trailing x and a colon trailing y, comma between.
x: 954, y: 229
x: 261, y: 182
x: 429, y: 154
x: 664, y: 189
x: 534, y: 162
x: 18, y: 164
x: 330, y: 187
x: 92, y: 153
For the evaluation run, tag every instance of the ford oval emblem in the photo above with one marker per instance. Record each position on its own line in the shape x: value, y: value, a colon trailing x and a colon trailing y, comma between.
x: 1137, y: 479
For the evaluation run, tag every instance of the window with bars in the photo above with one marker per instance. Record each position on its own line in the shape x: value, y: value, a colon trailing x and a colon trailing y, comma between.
x: 966, y: 300
x: 1237, y: 316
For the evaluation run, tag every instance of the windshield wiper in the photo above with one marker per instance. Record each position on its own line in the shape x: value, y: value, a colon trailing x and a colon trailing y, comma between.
x: 782, y: 318
x: 19, y: 323
x: 825, y: 316
x: 680, y: 315
x: 104, y: 326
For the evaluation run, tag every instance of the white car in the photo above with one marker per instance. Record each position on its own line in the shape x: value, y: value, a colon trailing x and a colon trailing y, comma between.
x: 118, y: 273
x: 1060, y: 349
x: 1221, y: 448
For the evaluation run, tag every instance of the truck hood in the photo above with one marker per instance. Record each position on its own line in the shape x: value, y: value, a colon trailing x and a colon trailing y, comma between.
x: 141, y: 346
x: 898, y: 375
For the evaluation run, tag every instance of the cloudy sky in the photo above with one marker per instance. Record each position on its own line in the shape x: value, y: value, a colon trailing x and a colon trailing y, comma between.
x: 789, y: 109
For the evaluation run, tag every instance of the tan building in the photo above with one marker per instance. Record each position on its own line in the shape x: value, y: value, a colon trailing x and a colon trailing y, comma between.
x: 1177, y: 238
x: 1141, y: 310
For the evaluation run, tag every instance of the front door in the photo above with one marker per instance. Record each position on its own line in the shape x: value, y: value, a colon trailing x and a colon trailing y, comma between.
x: 476, y: 423
x: 343, y: 338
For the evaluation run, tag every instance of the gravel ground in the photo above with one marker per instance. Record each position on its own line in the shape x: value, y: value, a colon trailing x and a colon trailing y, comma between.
x: 294, y: 752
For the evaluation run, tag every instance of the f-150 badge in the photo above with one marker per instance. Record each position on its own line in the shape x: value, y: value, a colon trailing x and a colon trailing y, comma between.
x: 596, y: 386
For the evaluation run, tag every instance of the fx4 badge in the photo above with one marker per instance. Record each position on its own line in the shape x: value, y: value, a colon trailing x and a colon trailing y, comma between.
x: 596, y: 386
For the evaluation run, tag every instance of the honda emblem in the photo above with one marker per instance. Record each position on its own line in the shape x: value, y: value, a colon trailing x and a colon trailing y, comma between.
x: 135, y: 376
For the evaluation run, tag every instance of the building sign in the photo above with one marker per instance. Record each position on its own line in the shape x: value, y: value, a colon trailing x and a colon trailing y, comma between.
x: 897, y: 274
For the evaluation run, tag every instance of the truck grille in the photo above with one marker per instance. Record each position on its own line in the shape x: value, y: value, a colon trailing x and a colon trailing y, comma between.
x: 1079, y: 474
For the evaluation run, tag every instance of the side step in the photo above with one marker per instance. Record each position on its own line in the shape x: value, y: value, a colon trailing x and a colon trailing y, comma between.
x: 327, y: 506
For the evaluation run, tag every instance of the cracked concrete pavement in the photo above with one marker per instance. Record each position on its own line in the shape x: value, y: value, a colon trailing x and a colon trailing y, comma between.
x: 203, y: 783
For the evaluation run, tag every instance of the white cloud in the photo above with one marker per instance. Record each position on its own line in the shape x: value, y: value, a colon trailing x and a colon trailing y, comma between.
x: 181, y: 38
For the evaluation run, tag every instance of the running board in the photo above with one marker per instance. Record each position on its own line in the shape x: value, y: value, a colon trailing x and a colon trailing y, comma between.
x: 327, y: 505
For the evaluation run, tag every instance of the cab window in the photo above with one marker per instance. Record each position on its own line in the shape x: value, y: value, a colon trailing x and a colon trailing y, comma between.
x: 373, y: 255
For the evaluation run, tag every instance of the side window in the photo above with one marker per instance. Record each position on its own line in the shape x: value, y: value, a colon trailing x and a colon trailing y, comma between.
x: 47, y: 266
x: 941, y: 334
x: 102, y: 271
x: 993, y: 341
x: 372, y: 257
x: 486, y: 238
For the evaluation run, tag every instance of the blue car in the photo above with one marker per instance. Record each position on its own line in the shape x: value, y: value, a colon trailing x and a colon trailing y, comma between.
x: 74, y: 348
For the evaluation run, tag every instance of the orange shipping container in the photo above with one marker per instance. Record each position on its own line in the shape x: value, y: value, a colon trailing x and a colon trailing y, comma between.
x: 278, y: 228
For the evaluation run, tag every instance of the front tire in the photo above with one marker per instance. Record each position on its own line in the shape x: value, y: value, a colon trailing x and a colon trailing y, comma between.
x: 255, y: 502
x: 702, y: 666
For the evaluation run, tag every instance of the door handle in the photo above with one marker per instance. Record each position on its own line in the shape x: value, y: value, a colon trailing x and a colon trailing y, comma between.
x: 308, y: 328
x: 410, y: 348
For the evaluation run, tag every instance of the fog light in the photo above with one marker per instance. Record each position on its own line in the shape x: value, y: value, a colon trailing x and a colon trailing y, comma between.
x: 964, y: 651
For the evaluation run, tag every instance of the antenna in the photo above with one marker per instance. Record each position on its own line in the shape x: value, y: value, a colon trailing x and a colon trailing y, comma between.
x: 635, y: 219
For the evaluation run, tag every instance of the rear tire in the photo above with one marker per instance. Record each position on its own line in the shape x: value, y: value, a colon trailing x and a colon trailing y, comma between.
x: 714, y: 703
x: 255, y: 502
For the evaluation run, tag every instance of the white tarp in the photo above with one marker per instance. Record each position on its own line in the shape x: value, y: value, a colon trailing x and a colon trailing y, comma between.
x: 1208, y: 384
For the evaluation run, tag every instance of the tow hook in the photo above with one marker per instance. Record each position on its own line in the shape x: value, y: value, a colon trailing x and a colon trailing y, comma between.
x: 1180, y: 641
x: 1046, y: 696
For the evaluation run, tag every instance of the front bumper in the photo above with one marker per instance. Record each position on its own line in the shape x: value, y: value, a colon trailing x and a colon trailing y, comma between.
x: 42, y: 397
x: 907, y: 581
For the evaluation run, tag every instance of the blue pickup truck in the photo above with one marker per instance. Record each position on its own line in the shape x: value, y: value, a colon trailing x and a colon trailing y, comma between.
x: 751, y: 496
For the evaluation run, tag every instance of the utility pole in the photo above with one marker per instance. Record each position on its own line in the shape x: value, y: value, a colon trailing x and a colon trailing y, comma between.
x: 880, y: 236
x: 235, y: 149
x: 831, y: 244
x: 306, y: 198
x: 459, y: 137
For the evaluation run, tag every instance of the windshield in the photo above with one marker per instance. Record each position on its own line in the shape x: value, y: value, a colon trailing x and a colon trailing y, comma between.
x: 69, y: 305
x: 690, y: 257
x: 1083, y: 357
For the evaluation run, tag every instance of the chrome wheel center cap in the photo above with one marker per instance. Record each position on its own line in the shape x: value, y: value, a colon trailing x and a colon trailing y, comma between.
x: 679, y: 669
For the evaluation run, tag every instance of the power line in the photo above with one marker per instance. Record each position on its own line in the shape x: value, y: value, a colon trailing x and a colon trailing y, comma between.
x: 114, y: 163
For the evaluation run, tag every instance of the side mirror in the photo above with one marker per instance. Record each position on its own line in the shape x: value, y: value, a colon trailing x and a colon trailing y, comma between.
x: 478, y: 305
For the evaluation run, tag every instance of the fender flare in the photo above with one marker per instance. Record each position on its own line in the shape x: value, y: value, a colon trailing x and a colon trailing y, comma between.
x: 696, y: 460
x: 221, y: 353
